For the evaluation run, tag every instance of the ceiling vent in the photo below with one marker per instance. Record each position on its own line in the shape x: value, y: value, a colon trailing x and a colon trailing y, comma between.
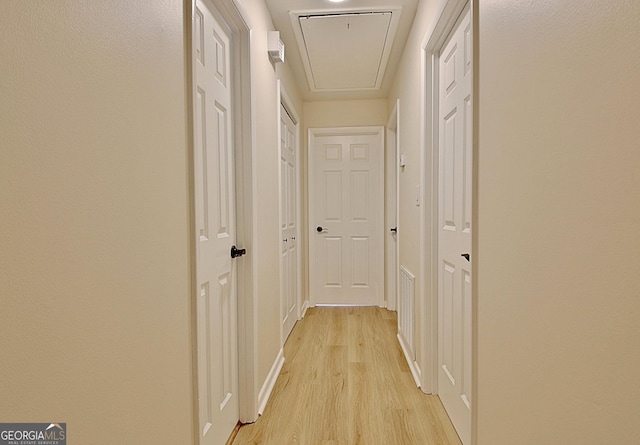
x: 345, y: 50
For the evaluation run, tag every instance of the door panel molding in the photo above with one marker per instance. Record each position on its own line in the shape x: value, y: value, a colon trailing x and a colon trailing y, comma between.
x: 215, y: 228
x: 237, y: 19
x: 296, y: 268
x: 369, y: 288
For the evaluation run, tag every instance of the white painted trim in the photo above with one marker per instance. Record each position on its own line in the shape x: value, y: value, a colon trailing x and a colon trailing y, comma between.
x: 247, y: 303
x: 475, y: 20
x: 193, y: 254
x: 341, y: 131
x: 280, y: 203
x: 303, y: 310
x: 394, y: 125
x: 270, y: 382
x: 398, y: 219
x: 345, y: 305
x: 428, y: 296
x: 416, y: 372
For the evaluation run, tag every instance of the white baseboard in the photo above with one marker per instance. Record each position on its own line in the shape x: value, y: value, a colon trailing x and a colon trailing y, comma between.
x: 413, y: 365
x: 305, y: 306
x: 270, y: 382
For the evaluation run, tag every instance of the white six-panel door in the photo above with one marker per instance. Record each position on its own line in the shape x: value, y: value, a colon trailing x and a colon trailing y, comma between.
x: 288, y: 223
x: 454, y: 233
x: 217, y: 357
x: 346, y: 205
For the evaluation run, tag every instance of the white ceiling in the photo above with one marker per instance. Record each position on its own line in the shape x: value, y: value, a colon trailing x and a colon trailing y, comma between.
x: 349, y: 57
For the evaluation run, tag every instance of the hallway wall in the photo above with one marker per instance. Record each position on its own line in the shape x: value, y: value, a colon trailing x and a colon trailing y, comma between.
x: 406, y: 87
x: 94, y: 247
x: 558, y: 223
x: 557, y: 217
x: 267, y: 188
x: 94, y: 237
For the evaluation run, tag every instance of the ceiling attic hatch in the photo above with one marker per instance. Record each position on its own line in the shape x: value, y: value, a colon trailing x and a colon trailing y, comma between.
x: 345, y: 51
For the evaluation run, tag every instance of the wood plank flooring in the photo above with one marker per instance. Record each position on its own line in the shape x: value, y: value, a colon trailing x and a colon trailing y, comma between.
x: 346, y: 382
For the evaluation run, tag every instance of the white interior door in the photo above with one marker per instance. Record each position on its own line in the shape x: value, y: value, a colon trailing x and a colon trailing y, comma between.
x: 217, y: 361
x: 454, y: 237
x: 288, y: 223
x: 346, y: 215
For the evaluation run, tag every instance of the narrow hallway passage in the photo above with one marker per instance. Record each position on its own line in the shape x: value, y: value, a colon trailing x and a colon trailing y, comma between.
x: 345, y: 381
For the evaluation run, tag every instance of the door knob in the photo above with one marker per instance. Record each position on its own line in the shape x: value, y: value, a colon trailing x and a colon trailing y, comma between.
x: 235, y: 252
x: 321, y: 229
x: 466, y: 256
x: 393, y: 230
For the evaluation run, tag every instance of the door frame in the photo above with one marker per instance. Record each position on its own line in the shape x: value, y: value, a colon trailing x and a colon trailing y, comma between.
x: 429, y: 165
x: 345, y: 131
x: 287, y: 103
x: 237, y: 18
x: 393, y: 128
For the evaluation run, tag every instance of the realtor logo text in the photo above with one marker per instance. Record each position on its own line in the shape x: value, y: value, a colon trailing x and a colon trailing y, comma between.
x: 33, y: 433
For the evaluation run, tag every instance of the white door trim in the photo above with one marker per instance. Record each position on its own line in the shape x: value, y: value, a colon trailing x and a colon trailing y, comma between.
x: 345, y: 131
x: 237, y: 18
x: 285, y: 100
x: 394, y: 126
x: 431, y: 46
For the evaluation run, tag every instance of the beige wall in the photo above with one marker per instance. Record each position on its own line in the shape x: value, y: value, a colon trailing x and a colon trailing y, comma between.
x: 267, y: 245
x: 266, y: 178
x: 95, y: 319
x: 94, y: 257
x: 557, y: 217
x: 558, y: 223
x: 406, y: 87
x: 345, y: 113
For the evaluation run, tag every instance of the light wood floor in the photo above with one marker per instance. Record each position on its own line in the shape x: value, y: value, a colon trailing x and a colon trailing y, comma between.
x: 345, y: 382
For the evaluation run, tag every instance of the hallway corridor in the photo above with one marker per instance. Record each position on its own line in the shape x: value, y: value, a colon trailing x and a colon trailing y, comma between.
x: 345, y: 381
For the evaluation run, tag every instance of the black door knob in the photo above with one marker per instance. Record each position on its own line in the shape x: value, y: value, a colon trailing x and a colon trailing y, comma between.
x: 394, y: 229
x: 235, y: 252
x: 319, y: 229
x: 466, y: 256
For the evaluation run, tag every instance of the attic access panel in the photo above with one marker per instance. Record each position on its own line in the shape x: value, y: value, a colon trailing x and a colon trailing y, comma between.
x: 346, y: 51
